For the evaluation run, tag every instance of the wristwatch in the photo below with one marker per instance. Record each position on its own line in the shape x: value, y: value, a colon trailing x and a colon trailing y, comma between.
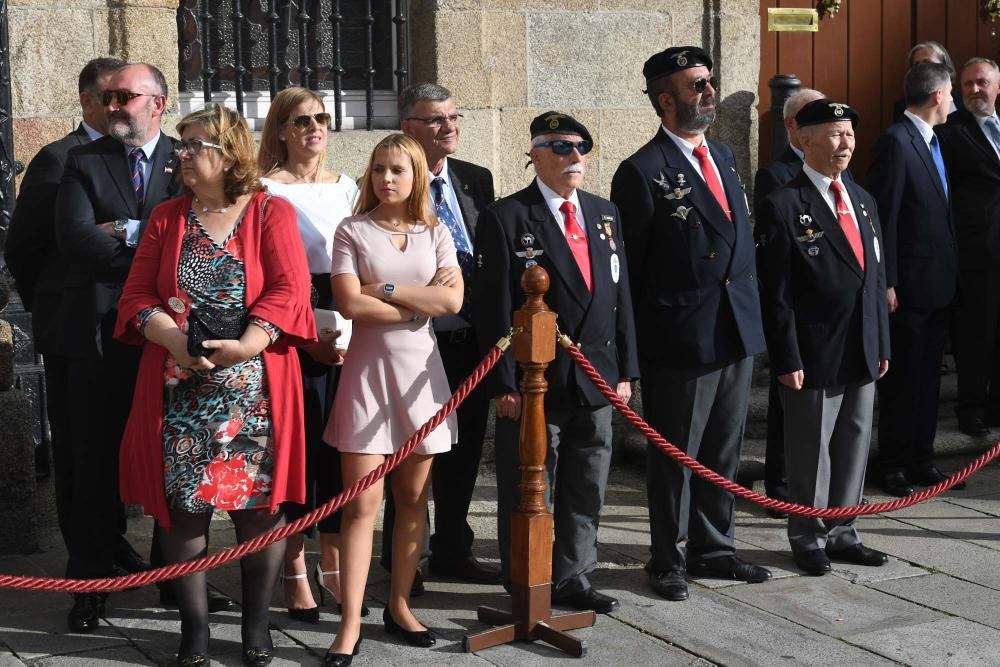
x: 120, y: 226
x: 387, y: 290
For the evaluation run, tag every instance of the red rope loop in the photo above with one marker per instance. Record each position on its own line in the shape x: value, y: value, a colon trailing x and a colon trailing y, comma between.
x: 757, y: 498
x: 111, y: 584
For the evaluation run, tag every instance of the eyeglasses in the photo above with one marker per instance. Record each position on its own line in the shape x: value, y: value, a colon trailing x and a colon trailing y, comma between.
x: 437, y: 121
x: 302, y: 122
x: 699, y: 85
x: 123, y: 97
x: 193, y: 146
x: 563, y: 147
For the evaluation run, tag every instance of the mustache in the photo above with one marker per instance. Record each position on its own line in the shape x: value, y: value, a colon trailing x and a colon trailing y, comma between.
x: 576, y: 168
x: 842, y: 154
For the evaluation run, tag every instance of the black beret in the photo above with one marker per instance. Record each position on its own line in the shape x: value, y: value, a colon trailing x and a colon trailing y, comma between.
x: 823, y: 110
x: 553, y: 122
x: 673, y: 60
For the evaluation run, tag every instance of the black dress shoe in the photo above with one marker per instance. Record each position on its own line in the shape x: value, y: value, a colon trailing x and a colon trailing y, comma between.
x: 858, y: 554
x: 421, y: 638
x: 216, y: 601
x: 341, y: 659
x: 896, y: 484
x: 467, y: 569
x: 670, y: 585
x: 588, y: 600
x: 930, y: 476
x: 85, y: 615
x: 814, y: 562
x: 974, y: 426
x: 310, y: 615
x: 257, y: 656
x: 729, y: 567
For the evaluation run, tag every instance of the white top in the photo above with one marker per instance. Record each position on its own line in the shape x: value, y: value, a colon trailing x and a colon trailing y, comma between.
x: 687, y: 148
x: 822, y: 184
x: 320, y: 207
x: 554, y: 200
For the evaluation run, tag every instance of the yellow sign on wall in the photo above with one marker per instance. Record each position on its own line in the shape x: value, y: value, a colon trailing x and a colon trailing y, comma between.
x: 792, y: 20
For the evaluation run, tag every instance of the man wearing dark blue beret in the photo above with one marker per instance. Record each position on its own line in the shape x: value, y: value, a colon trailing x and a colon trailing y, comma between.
x: 690, y: 249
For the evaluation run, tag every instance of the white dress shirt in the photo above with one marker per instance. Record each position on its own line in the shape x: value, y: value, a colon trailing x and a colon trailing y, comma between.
x: 687, y: 148
x: 822, y: 184
x: 554, y: 201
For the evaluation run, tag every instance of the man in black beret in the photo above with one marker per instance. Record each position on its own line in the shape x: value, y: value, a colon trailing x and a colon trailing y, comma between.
x: 691, y: 251
x: 824, y: 300
x: 577, y: 238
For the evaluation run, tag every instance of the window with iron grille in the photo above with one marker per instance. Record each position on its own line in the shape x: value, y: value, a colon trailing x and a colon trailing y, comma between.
x: 241, y: 52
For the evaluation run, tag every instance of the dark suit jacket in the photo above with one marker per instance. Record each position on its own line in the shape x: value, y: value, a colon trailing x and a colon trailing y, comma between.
x: 974, y: 170
x: 31, y: 251
x: 921, y: 260
x: 774, y: 175
x: 601, y: 322
x: 474, y: 190
x: 825, y: 315
x: 694, y: 282
x: 97, y: 187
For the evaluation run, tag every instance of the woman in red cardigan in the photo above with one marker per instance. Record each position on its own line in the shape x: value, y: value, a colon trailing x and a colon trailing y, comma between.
x: 219, y: 293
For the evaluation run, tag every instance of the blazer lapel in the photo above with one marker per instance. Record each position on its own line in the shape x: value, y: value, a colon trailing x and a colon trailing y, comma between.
x: 600, y: 268
x: 734, y: 193
x: 465, y: 203
x: 551, y: 240
x: 866, y: 227
x: 161, y: 173
x: 980, y: 140
x: 116, y: 162
x: 920, y: 146
x: 821, y: 214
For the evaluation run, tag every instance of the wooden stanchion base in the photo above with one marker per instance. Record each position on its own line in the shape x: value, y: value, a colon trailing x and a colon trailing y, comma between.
x: 530, y: 620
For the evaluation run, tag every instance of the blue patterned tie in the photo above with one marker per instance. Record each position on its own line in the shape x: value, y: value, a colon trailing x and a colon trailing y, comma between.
x: 993, y: 126
x: 462, y: 248
x: 135, y: 157
x: 939, y: 163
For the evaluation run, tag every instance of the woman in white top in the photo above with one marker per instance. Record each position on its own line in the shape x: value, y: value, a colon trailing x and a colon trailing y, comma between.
x: 292, y: 157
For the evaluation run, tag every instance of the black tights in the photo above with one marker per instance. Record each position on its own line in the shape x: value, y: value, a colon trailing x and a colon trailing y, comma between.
x: 187, y: 539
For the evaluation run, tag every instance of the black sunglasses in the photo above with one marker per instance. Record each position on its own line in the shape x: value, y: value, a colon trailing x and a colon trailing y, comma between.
x: 699, y: 85
x: 302, y: 122
x: 563, y: 147
x: 123, y: 97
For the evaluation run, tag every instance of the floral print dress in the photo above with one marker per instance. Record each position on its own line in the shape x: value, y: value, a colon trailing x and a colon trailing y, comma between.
x: 217, y: 446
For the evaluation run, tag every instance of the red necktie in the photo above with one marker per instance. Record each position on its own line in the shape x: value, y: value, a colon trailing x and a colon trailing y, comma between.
x: 712, y: 179
x: 847, y: 223
x: 577, y: 241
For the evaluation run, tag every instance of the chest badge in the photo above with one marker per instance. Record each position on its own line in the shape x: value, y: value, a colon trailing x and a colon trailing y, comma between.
x: 615, y: 268
x: 805, y: 219
x: 682, y: 212
x: 813, y: 250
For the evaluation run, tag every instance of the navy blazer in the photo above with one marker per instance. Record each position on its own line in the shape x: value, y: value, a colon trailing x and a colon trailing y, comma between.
x: 826, y: 316
x: 473, y: 187
x: 693, y: 275
x: 599, y: 321
x: 921, y: 260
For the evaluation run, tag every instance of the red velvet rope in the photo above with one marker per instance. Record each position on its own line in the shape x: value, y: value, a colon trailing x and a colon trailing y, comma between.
x: 759, y: 499
x: 111, y: 584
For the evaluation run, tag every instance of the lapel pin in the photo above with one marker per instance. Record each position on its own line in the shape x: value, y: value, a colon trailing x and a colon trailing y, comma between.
x: 813, y: 250
x: 682, y: 212
x: 805, y: 219
x: 681, y: 181
x: 176, y: 304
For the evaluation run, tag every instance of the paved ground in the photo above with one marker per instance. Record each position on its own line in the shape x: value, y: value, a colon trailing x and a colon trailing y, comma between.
x: 934, y: 604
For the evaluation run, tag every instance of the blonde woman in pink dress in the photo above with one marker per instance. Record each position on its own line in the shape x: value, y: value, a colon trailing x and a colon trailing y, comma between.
x: 394, y: 268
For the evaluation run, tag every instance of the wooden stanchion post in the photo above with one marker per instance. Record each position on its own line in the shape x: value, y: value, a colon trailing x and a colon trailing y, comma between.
x: 531, y: 616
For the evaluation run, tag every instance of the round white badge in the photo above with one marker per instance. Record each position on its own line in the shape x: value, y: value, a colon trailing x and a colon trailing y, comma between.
x: 615, y: 268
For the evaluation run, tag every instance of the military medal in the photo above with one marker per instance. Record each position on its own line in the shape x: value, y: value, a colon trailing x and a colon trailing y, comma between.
x: 177, y: 305
x: 602, y: 237
x: 810, y: 236
x: 615, y: 268
x: 529, y: 253
x: 611, y: 242
x: 682, y: 212
x: 681, y: 180
x: 805, y: 219
x: 813, y: 250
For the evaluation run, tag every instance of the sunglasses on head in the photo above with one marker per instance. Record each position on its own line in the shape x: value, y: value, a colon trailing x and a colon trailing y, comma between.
x: 122, y: 97
x: 193, y: 147
x: 563, y: 147
x: 302, y: 122
x: 699, y: 85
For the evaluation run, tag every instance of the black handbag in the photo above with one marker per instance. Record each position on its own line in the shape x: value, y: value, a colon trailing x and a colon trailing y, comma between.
x: 207, y: 323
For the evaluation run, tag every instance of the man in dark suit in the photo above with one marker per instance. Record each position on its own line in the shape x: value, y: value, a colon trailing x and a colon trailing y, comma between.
x: 907, y: 177
x: 39, y: 270
x: 100, y: 210
x: 691, y: 252
x: 769, y: 178
x: 828, y: 332
x: 576, y: 237
x: 971, y: 143
x: 459, y: 191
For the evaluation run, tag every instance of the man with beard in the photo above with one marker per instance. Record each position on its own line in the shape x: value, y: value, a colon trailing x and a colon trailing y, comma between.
x: 828, y: 332
x: 575, y: 237
x: 691, y: 252
x: 971, y: 146
x: 108, y: 189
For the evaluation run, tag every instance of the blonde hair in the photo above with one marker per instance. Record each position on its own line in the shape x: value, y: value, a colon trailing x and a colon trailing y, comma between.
x: 273, y: 153
x: 229, y: 129
x: 418, y: 206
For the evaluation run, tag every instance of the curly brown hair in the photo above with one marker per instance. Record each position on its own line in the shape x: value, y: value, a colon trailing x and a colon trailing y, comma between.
x: 229, y: 129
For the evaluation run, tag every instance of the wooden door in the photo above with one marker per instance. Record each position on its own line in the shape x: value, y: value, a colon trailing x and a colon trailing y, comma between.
x: 859, y: 56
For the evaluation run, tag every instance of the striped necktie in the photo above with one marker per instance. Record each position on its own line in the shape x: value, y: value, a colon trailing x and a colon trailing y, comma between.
x: 135, y: 158
x: 462, y: 249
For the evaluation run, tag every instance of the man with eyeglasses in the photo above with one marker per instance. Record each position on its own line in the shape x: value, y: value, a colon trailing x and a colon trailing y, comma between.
x: 107, y: 190
x: 691, y: 251
x: 577, y: 238
x: 39, y: 270
x: 459, y: 192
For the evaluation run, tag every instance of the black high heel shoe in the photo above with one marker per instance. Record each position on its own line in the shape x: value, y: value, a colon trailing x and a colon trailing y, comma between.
x: 318, y: 577
x: 421, y: 638
x: 257, y: 656
x: 310, y: 615
x: 341, y: 659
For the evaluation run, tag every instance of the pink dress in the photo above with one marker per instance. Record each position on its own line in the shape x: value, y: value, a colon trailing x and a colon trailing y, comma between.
x: 392, y: 380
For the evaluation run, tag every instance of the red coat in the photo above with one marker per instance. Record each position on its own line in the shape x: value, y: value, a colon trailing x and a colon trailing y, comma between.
x: 277, y: 290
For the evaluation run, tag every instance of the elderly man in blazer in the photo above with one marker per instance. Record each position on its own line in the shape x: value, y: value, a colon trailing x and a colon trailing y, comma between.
x: 576, y: 237
x: 908, y: 179
x: 691, y: 253
x: 828, y: 332
x: 107, y: 191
